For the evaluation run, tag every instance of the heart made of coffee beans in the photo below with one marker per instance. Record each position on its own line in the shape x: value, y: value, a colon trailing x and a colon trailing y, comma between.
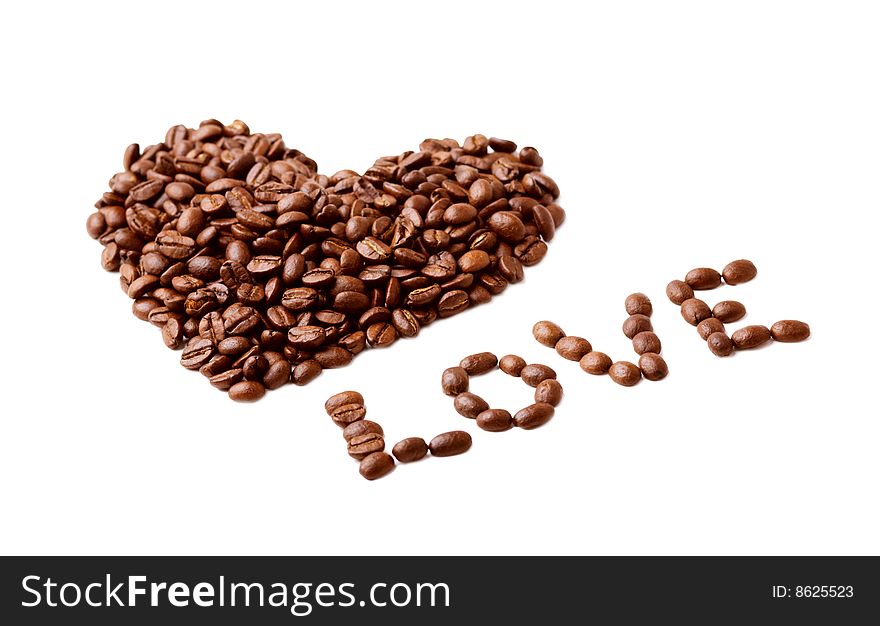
x: 265, y: 272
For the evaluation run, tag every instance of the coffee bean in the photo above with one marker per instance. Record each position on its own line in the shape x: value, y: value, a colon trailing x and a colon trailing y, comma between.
x: 653, y: 366
x: 225, y: 380
x: 247, y: 391
x: 510, y: 268
x: 646, y: 341
x: 347, y: 413
x: 470, y: 405
x: 636, y: 324
x: 306, y: 337
x: 473, y: 261
x: 333, y: 357
x: 533, y: 416
x: 376, y: 465
x: 790, y: 331
x: 549, y: 391
x: 703, y: 278
x: 638, y: 304
x: 728, y: 311
x: 479, y: 363
x: 381, y: 335
x: 695, y: 311
x: 547, y: 333
x: 511, y: 364
x: 410, y: 449
x: 454, y: 381
x: 495, y: 420
x: 573, y: 348
x: 625, y: 373
x: 720, y: 344
x: 679, y: 291
x: 364, y: 445
x: 305, y: 372
x: 707, y: 327
x: 450, y: 444
x: 534, y: 373
x: 405, y: 323
x: 452, y: 302
x: 595, y: 363
x: 361, y: 427
x: 341, y: 399
x: 750, y: 337
x: 196, y: 353
x: 507, y: 225
x: 738, y: 272
x: 277, y: 374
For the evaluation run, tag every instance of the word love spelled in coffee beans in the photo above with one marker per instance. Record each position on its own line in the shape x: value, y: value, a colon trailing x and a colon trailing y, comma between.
x: 265, y: 272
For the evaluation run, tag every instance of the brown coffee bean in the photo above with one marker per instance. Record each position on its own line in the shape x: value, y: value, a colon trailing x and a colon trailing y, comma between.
x: 452, y: 302
x: 410, y: 449
x: 511, y: 364
x: 454, y: 381
x: 469, y: 405
x: 364, y: 445
x: 547, y: 333
x: 678, y: 291
x: 473, y: 261
x: 381, y: 335
x: 405, y: 323
x: 306, y: 337
x: 510, y: 268
x: 636, y: 324
x: 703, y: 278
x: 450, y: 444
x: 573, y: 348
x: 507, y: 225
x: 625, y: 373
x: 533, y: 416
x: 653, y: 366
x: 638, y: 304
x: 790, y: 331
x: 695, y: 311
x: 549, y: 391
x: 376, y: 465
x: 495, y: 420
x: 707, y: 327
x: 247, y: 391
x: 277, y: 375
x: 348, y: 413
x: 719, y: 343
x: 332, y: 357
x: 646, y: 341
x: 738, y: 272
x: 728, y: 311
x: 341, y: 399
x: 534, y: 373
x: 305, y: 372
x: 479, y: 363
x: 750, y: 337
x: 361, y: 427
x: 595, y: 363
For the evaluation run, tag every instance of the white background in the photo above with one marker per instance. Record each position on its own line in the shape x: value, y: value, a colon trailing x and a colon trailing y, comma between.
x: 682, y: 134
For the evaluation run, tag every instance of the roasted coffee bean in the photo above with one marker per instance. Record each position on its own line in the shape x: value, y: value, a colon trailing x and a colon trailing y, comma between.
x: 728, y: 311
x: 534, y: 373
x: 790, y: 331
x: 452, y: 302
x: 410, y: 449
x: 495, y: 420
x: 405, y: 323
x: 479, y: 363
x: 646, y: 341
x: 638, y: 304
x: 376, y: 465
x: 695, y: 311
x: 143, y: 306
x: 750, y: 337
x: 653, y: 366
x: 196, y: 353
x: 381, y: 335
x: 247, y: 391
x: 533, y: 416
x: 454, y: 381
x: 636, y: 324
x: 364, y: 445
x: 549, y: 391
x: 305, y: 372
x: 227, y: 379
x: 510, y: 268
x: 341, y: 399
x: 547, y: 333
x: 625, y: 373
x: 277, y: 374
x: 703, y: 278
x: 706, y: 328
x: 450, y: 444
x: 333, y: 357
x: 306, y: 337
x: 507, y: 225
x: 512, y: 364
x: 738, y: 272
x: 719, y: 343
x: 469, y: 405
x: 573, y: 348
x: 347, y: 413
x: 678, y: 291
x: 361, y: 427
